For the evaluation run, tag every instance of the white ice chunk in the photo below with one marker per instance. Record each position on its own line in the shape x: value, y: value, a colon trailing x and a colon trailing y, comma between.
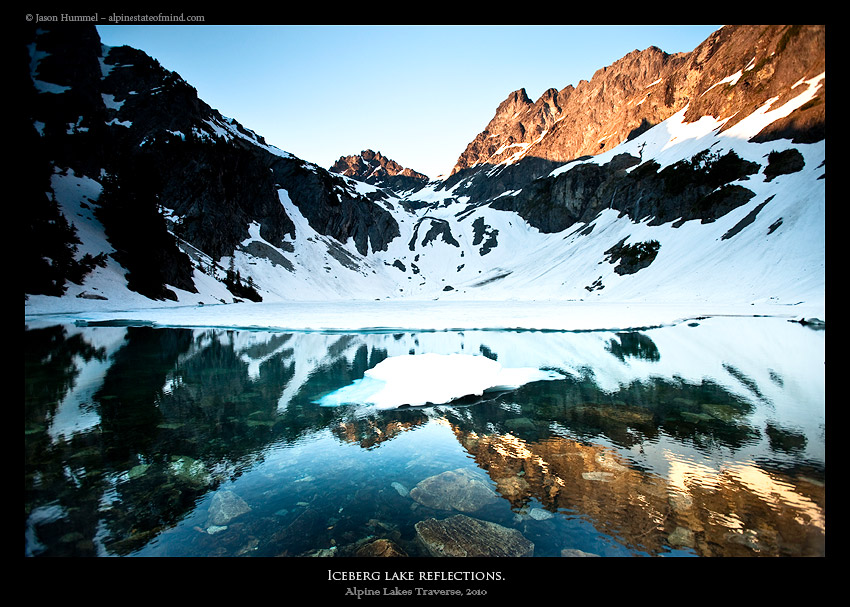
x: 424, y: 379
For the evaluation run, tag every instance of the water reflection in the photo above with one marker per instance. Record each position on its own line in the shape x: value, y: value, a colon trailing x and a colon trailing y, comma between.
x: 702, y: 440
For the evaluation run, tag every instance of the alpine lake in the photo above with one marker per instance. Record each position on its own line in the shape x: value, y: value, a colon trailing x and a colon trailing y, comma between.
x: 705, y: 439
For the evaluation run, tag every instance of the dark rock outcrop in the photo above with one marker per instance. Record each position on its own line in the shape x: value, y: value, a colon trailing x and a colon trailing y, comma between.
x: 334, y: 209
x: 783, y: 163
x: 437, y: 229
x: 698, y: 188
x: 632, y: 257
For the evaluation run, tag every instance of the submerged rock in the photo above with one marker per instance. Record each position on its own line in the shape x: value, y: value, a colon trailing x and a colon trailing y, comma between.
x: 598, y: 476
x: 681, y: 537
x: 213, y: 529
x: 454, y: 490
x: 138, y: 470
x: 300, y: 535
x: 575, y: 552
x: 382, y: 548
x: 321, y: 553
x: 189, y: 470
x: 251, y: 546
x: 539, y: 514
x: 514, y: 488
x: 461, y: 535
x: 226, y: 506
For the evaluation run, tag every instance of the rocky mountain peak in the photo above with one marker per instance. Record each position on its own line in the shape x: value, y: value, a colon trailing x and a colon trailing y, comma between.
x: 518, y: 123
x: 523, y: 128
x: 516, y: 102
x: 375, y: 168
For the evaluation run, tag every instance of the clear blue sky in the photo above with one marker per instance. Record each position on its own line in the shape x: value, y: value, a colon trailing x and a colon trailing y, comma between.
x: 417, y: 94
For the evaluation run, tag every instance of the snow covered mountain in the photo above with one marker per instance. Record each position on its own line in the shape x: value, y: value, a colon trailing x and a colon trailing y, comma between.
x: 692, y: 177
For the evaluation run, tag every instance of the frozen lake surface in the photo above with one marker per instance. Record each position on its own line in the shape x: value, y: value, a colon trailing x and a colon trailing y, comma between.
x: 428, y: 315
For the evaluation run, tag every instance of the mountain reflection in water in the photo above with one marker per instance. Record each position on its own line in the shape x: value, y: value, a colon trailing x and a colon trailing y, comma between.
x: 704, y: 439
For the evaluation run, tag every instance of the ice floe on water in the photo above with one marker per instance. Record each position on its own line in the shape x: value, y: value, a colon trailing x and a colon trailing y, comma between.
x: 423, y: 379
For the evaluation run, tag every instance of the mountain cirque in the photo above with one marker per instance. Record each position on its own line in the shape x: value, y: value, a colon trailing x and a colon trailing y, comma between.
x: 178, y: 202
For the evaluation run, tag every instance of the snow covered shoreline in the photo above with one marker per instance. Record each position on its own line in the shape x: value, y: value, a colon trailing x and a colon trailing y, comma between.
x: 402, y: 314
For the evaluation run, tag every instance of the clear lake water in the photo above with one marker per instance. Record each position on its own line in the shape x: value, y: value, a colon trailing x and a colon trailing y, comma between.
x: 705, y: 439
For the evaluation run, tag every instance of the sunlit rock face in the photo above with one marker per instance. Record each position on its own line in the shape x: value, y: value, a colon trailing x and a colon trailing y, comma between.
x: 730, y: 74
x: 432, y: 379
